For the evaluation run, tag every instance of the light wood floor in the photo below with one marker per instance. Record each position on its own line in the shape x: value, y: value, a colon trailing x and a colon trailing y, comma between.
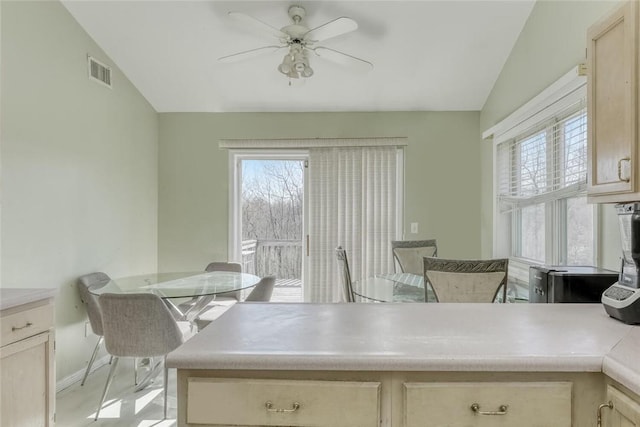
x: 287, y: 294
x: 76, y: 405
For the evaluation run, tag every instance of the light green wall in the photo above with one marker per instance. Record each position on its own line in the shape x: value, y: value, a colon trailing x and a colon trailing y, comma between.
x: 79, y: 168
x: 552, y: 42
x: 442, y: 171
x: 81, y: 190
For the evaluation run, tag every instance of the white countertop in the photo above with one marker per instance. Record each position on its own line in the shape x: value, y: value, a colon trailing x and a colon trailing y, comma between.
x: 12, y: 297
x: 409, y: 337
x: 622, y: 363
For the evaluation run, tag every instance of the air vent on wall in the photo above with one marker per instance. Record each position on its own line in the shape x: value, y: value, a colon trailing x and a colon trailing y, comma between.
x: 99, y: 72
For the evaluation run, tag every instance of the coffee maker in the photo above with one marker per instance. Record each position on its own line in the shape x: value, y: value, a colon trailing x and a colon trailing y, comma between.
x: 622, y: 299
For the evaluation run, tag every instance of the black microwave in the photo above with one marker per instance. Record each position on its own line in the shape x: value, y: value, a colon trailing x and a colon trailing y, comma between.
x: 568, y: 284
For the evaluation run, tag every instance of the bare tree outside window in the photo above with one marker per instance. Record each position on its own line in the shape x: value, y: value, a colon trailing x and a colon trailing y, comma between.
x: 272, y: 215
x: 547, y: 181
x: 579, y: 232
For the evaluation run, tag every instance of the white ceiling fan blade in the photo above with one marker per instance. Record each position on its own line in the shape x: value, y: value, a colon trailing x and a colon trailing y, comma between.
x: 258, y: 24
x: 341, y: 57
x: 248, y: 54
x: 331, y: 29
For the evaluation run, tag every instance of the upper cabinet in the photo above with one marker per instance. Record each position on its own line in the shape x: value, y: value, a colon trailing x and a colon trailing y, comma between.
x: 613, y: 119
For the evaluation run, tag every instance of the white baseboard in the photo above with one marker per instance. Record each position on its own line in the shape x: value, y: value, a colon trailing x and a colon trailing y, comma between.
x: 77, y: 376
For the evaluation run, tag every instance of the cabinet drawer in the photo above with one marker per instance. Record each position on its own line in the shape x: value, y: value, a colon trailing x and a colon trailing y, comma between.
x: 283, y: 402
x: 20, y: 325
x: 523, y: 404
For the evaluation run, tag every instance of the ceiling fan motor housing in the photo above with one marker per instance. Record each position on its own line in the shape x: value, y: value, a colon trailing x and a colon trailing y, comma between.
x: 297, y: 30
x: 297, y: 13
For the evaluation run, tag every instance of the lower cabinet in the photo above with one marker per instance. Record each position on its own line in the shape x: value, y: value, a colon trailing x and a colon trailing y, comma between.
x: 254, y: 402
x: 388, y: 399
x: 623, y: 410
x: 522, y: 404
x: 27, y: 388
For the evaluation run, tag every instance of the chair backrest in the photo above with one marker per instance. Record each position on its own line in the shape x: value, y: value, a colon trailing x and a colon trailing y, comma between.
x: 138, y: 325
x: 226, y: 266
x: 408, y: 254
x: 85, y: 284
x: 263, y: 290
x: 345, y: 274
x: 466, y: 280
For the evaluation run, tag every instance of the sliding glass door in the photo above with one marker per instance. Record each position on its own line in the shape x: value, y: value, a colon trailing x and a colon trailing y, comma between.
x: 290, y: 209
x: 268, y: 233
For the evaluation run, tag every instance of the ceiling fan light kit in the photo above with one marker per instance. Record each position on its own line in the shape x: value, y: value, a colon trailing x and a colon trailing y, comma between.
x: 299, y: 40
x: 296, y: 63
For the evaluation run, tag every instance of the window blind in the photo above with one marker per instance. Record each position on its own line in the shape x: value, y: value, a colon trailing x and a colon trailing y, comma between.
x: 544, y: 162
x: 353, y: 201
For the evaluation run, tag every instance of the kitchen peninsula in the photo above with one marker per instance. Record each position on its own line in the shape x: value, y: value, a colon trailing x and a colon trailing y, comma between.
x: 401, y: 364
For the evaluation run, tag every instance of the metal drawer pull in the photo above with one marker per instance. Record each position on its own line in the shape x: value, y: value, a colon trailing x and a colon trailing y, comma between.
x: 476, y: 408
x: 609, y: 405
x: 270, y: 407
x: 624, y: 159
x: 15, y: 328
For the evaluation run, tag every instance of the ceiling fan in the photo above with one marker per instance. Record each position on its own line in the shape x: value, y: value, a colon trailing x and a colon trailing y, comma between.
x: 300, y: 42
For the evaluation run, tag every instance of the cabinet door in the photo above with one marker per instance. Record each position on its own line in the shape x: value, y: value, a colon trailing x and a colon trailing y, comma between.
x: 487, y: 404
x: 26, y: 376
x: 625, y: 411
x: 612, y: 110
x: 299, y: 403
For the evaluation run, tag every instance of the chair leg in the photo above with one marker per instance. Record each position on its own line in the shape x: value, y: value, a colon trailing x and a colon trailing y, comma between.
x: 107, y: 385
x: 166, y: 386
x: 93, y: 358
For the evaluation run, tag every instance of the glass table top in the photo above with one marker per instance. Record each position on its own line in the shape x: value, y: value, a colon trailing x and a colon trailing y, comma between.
x: 396, y: 287
x: 180, y: 284
x: 407, y: 287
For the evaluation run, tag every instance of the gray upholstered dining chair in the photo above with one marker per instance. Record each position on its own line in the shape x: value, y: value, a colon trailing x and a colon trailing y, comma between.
x: 226, y: 299
x: 408, y: 254
x: 467, y: 280
x: 261, y: 292
x: 226, y: 266
x: 138, y: 325
x: 85, y: 283
x: 345, y: 274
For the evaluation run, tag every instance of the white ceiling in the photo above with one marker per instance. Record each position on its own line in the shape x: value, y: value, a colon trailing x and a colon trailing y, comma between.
x: 427, y: 55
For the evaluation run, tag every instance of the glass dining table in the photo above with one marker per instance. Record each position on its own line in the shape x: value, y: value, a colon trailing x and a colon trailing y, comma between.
x: 393, y: 287
x: 407, y: 287
x: 198, y: 286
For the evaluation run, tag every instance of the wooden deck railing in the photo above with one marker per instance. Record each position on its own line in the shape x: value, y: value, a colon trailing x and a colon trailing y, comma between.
x: 281, y: 258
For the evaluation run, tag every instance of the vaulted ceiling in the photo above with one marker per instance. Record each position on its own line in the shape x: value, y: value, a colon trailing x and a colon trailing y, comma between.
x: 427, y: 55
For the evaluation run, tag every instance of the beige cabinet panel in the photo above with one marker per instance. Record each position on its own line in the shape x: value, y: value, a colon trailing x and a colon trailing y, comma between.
x: 625, y: 411
x: 249, y: 402
x: 612, y: 92
x: 27, y: 373
x: 25, y: 323
x: 522, y: 404
x: 26, y: 370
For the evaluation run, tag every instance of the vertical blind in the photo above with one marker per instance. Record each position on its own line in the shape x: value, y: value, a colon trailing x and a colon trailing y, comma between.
x: 352, y: 204
x: 545, y: 162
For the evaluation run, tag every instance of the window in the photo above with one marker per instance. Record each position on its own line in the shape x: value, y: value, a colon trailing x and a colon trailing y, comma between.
x: 541, y: 200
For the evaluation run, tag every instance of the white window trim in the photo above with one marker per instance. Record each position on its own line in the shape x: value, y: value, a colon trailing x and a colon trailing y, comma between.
x: 551, y: 101
x: 235, y: 180
x: 566, y: 84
